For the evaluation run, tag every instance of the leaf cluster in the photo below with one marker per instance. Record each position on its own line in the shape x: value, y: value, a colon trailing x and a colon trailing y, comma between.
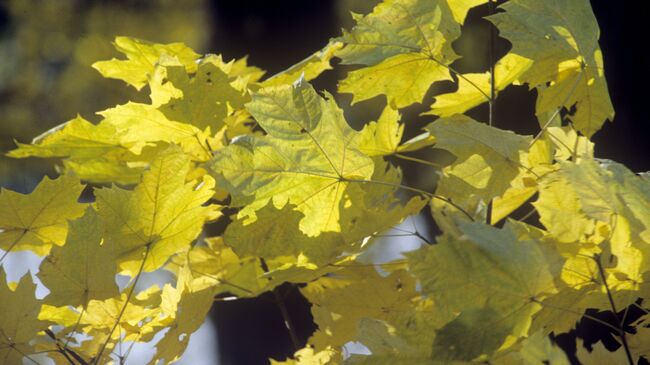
x: 308, y: 195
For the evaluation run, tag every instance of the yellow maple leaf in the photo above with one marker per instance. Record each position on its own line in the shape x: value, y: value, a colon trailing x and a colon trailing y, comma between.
x: 142, y: 57
x: 161, y: 217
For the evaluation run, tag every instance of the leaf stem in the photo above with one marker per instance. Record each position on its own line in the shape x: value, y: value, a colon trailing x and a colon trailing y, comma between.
x: 13, y: 244
x: 492, y: 100
x: 126, y: 303
x: 65, y: 351
x: 601, y: 271
x: 283, y: 310
x: 287, y: 319
x: 557, y: 110
x: 415, y: 159
x: 416, y: 190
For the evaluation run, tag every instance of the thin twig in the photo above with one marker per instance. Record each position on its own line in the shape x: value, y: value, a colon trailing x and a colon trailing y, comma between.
x: 287, y: 319
x: 492, y: 101
x: 416, y: 190
x: 601, y: 271
x: 414, y: 159
x: 65, y: 351
x: 283, y: 310
x: 492, y: 62
x: 557, y: 110
x: 13, y: 244
x: 126, y: 303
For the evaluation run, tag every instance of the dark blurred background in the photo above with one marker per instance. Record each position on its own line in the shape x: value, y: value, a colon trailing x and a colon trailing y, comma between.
x: 47, y: 47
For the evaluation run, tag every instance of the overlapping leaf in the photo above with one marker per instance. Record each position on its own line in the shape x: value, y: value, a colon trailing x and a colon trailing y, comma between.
x: 603, y: 204
x: 488, y: 159
x: 340, y: 301
x: 561, y: 37
x: 474, y: 88
x: 205, y: 98
x: 83, y: 268
x: 38, y: 220
x: 120, y: 146
x: 311, y: 193
x: 491, y: 278
x: 19, y: 323
x: 142, y: 57
x: 406, y: 46
x: 308, y: 158
x: 364, y: 210
x: 161, y: 217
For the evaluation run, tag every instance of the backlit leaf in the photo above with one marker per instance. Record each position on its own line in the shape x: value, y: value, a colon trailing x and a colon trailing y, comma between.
x: 83, y: 268
x: 142, y: 57
x: 38, y: 220
x: 562, y: 38
x: 160, y: 217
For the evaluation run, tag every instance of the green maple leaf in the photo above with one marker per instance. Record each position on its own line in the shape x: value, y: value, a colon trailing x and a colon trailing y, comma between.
x: 474, y: 88
x: 190, y: 307
x: 93, y: 152
x: 382, y: 137
x: 308, y: 158
x: 487, y: 158
x: 488, y: 276
x: 561, y: 37
x: 364, y: 210
x: 205, y: 96
x: 38, y: 220
x: 83, y: 268
x: 309, y: 68
x: 341, y: 300
x: 406, y: 46
x: 604, y: 204
x: 19, y: 323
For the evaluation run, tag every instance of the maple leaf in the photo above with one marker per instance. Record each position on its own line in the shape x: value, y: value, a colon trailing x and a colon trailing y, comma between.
x: 308, y: 356
x: 474, y: 88
x: 218, y: 267
x: 639, y: 342
x: 38, y: 220
x: 205, y: 97
x: 309, y: 68
x: 561, y: 37
x: 191, y: 308
x: 536, y: 349
x: 142, y: 57
x: 120, y: 146
x: 342, y: 299
x: 141, y: 125
x: 135, y: 315
x: 311, y: 193
x: 487, y: 158
x: 500, y: 274
x: 93, y: 152
x: 19, y: 324
x: 307, y: 158
x: 602, y: 203
x: 160, y: 217
x: 364, y: 211
x: 382, y: 137
x: 83, y: 268
x: 406, y: 46
x: 600, y: 355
